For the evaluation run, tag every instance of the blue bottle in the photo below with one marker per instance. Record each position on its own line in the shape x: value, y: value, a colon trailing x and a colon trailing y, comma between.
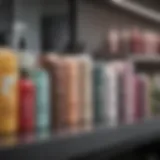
x: 41, y: 79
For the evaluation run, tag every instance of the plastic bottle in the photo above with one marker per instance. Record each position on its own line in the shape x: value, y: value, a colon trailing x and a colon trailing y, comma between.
x: 41, y: 79
x: 8, y: 92
x: 113, y: 41
x: 86, y: 90
x: 137, y: 43
x: 27, y: 103
x: 98, y: 92
x: 72, y: 92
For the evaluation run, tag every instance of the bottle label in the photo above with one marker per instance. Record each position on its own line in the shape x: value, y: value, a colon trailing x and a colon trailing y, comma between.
x: 8, y: 83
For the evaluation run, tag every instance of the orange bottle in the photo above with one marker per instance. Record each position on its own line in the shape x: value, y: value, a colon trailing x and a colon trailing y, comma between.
x: 8, y: 92
x: 72, y: 92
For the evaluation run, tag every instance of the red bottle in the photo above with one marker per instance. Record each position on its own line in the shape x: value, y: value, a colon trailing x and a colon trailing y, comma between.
x: 137, y: 44
x: 27, y: 103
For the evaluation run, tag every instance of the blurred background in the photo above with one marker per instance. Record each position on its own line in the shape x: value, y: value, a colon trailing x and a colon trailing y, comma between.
x: 80, y: 76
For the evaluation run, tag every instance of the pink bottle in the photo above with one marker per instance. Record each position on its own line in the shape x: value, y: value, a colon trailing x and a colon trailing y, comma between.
x: 137, y: 44
x: 113, y: 41
x: 150, y: 43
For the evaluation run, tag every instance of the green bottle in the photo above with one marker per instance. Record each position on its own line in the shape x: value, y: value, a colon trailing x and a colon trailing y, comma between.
x: 41, y: 79
x: 98, y: 92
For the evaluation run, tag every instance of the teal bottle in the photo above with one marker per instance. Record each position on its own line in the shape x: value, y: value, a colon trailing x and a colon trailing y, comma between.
x: 41, y: 79
x: 98, y: 93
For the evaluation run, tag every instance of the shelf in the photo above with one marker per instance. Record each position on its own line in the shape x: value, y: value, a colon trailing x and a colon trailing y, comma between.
x: 145, y: 59
x: 136, y: 9
x: 69, y: 145
x: 135, y: 58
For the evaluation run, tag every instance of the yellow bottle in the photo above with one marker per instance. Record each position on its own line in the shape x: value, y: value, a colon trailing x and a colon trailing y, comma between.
x: 8, y: 92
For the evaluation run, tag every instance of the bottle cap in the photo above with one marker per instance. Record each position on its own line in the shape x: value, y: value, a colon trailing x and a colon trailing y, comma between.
x: 24, y: 73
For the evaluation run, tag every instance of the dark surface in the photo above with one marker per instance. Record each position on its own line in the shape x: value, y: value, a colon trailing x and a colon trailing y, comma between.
x: 72, y: 145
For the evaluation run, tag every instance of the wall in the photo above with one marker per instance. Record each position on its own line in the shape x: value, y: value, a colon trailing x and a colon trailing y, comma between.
x: 27, y: 24
x: 95, y: 18
x: 57, y: 12
x: 52, y: 7
x: 6, y: 18
x: 93, y: 21
x: 27, y: 20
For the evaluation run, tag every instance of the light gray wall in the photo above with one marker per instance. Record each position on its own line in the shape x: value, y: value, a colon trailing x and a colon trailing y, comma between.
x: 27, y: 16
x: 27, y: 23
x: 95, y: 18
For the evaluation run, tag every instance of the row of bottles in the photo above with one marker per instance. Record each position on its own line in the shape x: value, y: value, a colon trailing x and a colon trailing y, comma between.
x: 65, y: 92
x: 71, y: 95
x: 135, y: 41
x: 34, y: 101
x: 24, y: 96
x: 95, y: 92
x: 119, y: 94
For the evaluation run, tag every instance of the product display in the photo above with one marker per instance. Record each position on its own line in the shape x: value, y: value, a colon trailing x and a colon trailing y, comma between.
x: 61, y: 92
x: 80, y: 80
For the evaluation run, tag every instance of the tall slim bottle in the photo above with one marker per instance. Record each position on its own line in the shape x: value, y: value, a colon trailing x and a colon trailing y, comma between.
x: 112, y: 97
x: 129, y: 92
x: 72, y: 92
x: 98, y: 92
x: 85, y: 87
x: 8, y: 92
x: 27, y: 103
x: 41, y: 80
x: 51, y: 62
x: 59, y: 81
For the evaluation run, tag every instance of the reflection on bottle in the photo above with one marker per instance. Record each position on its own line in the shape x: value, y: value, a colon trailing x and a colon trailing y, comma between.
x: 8, y: 141
x: 27, y: 138
x: 43, y: 135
